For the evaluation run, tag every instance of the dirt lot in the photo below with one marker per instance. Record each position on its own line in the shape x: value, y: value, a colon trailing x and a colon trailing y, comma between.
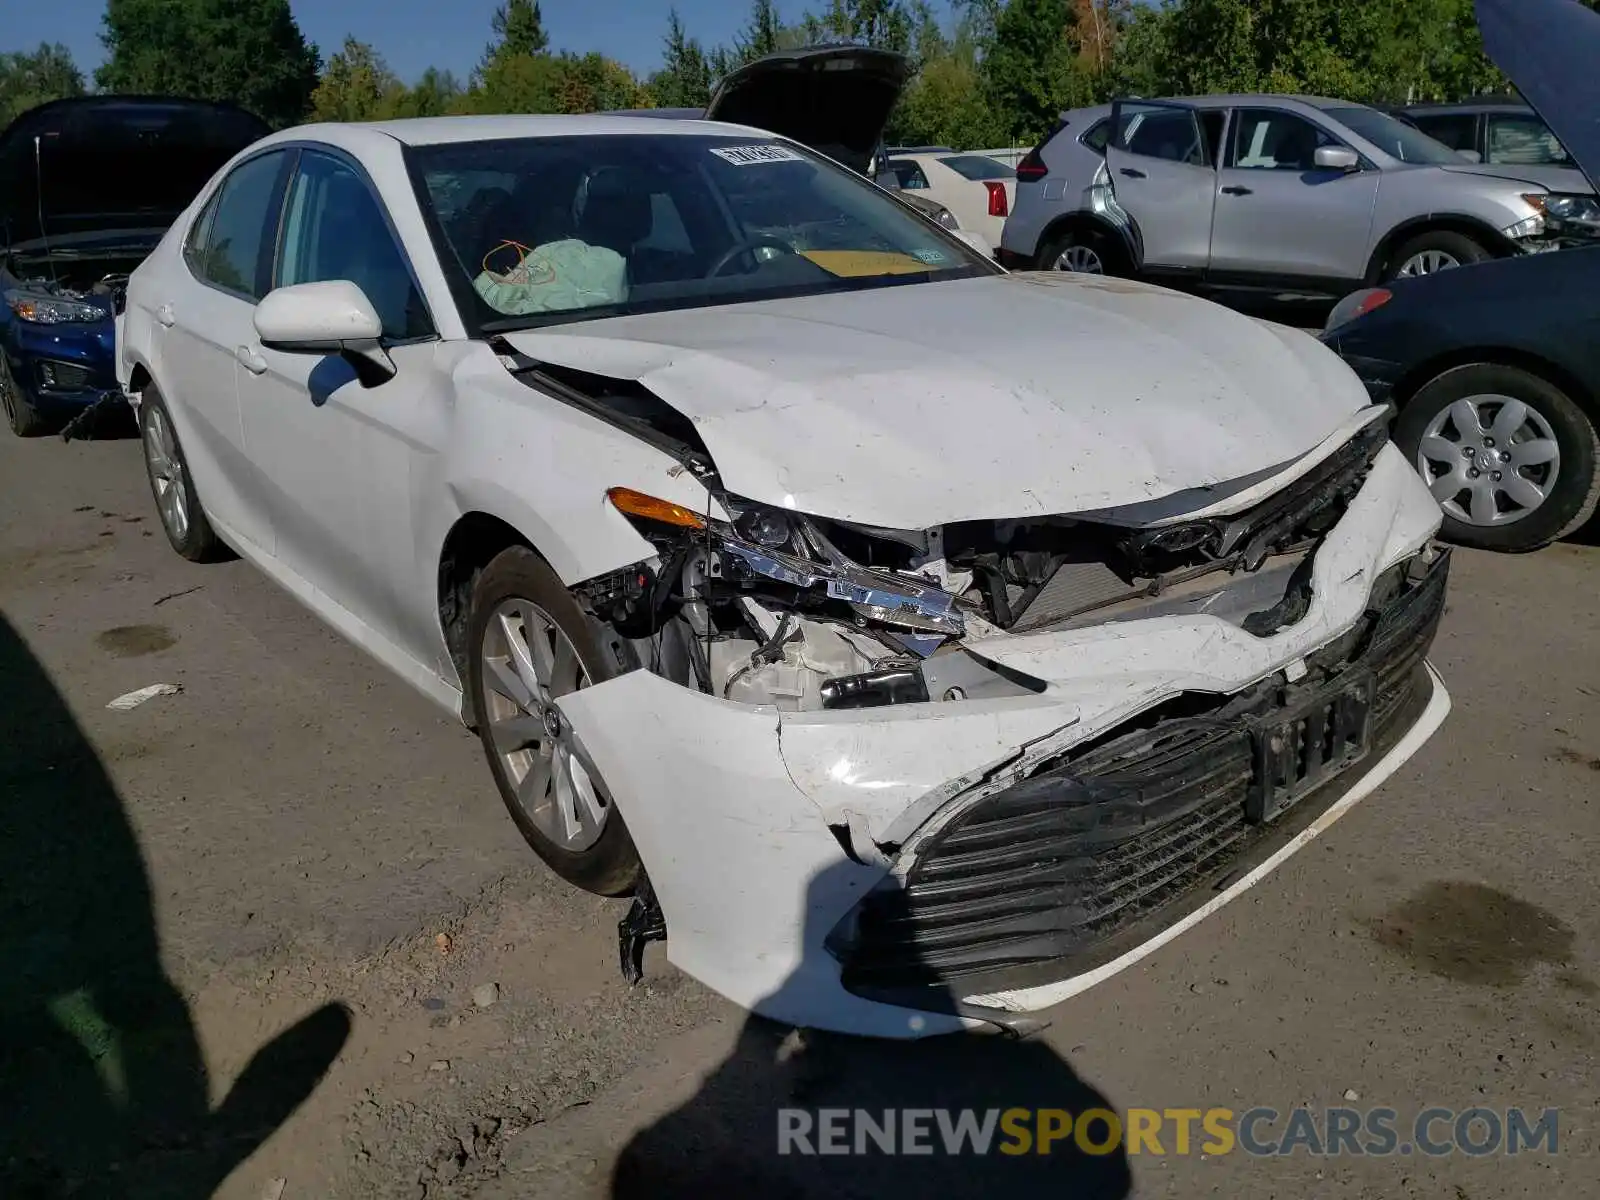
x: 295, y: 863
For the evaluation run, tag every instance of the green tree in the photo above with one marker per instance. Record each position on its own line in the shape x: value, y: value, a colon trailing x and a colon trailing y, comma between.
x: 436, y: 94
x: 356, y: 85
x: 518, y: 27
x: 684, y: 80
x: 761, y: 37
x: 248, y: 51
x: 28, y: 80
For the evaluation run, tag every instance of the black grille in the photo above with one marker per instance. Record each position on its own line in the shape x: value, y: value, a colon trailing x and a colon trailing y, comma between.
x: 1071, y: 863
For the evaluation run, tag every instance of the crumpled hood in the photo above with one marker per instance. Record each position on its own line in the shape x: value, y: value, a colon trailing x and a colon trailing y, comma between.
x: 992, y: 398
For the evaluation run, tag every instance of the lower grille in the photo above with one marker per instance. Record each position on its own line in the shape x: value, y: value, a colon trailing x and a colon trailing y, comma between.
x: 1067, y: 865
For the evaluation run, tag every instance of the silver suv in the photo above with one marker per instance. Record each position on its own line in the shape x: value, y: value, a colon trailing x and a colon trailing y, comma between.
x: 1288, y: 194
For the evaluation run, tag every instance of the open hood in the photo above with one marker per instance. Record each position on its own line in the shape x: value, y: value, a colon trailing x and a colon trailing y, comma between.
x: 835, y: 99
x: 1550, y: 49
x: 983, y: 399
x: 100, y: 164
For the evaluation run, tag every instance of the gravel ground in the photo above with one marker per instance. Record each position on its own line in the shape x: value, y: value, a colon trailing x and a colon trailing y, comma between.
x: 273, y: 936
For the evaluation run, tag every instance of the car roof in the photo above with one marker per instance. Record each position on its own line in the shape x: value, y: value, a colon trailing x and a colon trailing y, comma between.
x: 435, y: 131
x: 1242, y: 99
x: 1470, y: 106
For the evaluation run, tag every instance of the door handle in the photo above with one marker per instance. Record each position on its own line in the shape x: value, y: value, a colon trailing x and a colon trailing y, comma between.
x: 1236, y: 190
x: 166, y: 316
x: 1133, y: 173
x: 250, y: 360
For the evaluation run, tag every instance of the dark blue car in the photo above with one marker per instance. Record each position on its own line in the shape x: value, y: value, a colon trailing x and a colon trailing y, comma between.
x: 88, y: 186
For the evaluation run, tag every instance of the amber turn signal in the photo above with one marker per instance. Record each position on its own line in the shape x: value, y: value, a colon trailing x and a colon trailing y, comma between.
x: 637, y: 504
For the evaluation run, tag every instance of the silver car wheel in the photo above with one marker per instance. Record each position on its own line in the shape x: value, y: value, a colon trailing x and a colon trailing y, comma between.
x: 529, y: 664
x: 1082, y: 259
x: 166, y: 473
x: 1427, y: 262
x: 1495, y: 452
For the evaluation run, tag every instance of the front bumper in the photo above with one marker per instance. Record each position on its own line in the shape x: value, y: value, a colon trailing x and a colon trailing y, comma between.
x: 792, y: 854
x: 61, y: 369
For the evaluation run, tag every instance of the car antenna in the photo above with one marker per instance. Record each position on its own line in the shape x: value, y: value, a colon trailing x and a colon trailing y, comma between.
x: 38, y: 199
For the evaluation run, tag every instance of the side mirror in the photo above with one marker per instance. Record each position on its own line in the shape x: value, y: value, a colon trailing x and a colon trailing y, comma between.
x: 1336, y: 158
x: 1472, y: 156
x: 332, y: 317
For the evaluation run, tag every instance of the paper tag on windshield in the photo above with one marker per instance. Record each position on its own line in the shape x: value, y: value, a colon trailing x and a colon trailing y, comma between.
x: 750, y: 156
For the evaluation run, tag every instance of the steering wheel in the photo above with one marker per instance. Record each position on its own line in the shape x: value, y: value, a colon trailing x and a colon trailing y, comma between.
x: 748, y: 246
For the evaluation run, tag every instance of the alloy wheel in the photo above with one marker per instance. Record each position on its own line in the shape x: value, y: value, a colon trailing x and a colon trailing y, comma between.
x: 529, y: 664
x: 1427, y: 262
x: 167, y: 474
x: 1082, y: 259
x: 1489, y: 460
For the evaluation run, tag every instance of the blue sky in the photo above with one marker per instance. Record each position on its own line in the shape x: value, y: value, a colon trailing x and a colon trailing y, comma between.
x: 415, y: 34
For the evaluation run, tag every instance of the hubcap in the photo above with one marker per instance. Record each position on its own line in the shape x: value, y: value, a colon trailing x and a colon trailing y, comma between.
x: 1082, y: 259
x: 1490, y: 460
x: 529, y: 664
x: 166, y: 474
x: 1428, y: 262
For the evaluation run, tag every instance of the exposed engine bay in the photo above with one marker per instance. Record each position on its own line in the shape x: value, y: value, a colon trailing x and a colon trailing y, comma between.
x: 101, y: 282
x: 766, y: 606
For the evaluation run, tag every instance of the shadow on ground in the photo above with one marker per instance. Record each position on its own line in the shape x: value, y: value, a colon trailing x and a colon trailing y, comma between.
x: 105, y: 1089
x: 725, y: 1141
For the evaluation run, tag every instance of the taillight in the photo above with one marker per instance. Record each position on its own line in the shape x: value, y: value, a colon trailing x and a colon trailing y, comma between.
x: 998, y: 205
x: 1032, y: 169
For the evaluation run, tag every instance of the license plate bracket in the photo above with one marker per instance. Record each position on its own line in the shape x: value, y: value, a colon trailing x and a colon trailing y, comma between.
x: 1308, y: 742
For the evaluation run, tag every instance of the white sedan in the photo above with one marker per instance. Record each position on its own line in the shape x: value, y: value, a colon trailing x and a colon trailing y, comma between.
x: 978, y: 189
x: 916, y: 643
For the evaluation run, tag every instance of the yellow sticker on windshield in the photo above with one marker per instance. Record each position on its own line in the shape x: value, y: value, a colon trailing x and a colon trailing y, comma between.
x: 851, y: 264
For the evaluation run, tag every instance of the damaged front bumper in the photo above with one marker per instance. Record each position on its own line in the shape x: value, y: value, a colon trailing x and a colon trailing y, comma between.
x: 920, y: 868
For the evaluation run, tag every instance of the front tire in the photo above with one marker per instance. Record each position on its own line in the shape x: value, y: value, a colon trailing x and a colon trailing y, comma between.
x: 528, y: 645
x: 23, y: 418
x: 1510, y: 457
x: 171, y: 484
x: 1433, y: 252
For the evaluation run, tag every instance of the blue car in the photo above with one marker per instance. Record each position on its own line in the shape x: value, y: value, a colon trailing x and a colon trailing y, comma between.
x: 88, y: 186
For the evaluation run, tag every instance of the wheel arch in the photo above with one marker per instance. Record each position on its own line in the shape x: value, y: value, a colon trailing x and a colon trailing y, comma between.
x: 1125, y: 238
x: 475, y: 539
x: 1480, y: 231
x: 1418, y: 377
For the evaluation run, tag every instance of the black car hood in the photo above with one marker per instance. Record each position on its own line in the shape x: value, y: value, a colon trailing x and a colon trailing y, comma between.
x: 100, y: 164
x: 835, y: 99
x: 1550, y: 49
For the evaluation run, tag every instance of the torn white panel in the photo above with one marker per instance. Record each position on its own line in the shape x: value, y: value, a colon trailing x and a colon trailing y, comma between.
x: 129, y: 701
x: 748, y: 875
x: 1039, y: 400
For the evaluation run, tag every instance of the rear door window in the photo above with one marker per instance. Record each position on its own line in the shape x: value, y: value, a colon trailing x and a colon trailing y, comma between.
x: 1099, y: 136
x: 909, y: 174
x: 977, y: 167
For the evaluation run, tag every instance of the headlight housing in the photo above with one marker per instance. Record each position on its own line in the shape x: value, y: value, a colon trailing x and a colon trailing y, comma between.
x: 1575, y: 210
x: 764, y: 546
x: 52, y: 310
x: 1356, y: 304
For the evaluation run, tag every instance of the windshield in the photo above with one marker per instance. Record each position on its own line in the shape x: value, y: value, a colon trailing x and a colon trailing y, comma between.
x: 535, y: 231
x: 1396, y: 138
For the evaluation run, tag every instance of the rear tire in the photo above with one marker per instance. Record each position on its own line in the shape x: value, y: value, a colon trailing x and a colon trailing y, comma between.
x: 23, y: 418
x: 1549, y: 448
x: 1082, y: 251
x: 1432, y: 252
x: 171, y: 484
x: 528, y: 643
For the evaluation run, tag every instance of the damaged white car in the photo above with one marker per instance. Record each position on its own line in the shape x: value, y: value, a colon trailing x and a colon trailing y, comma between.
x: 917, y: 643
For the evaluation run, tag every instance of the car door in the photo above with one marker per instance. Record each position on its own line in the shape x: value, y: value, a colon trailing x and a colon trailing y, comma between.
x: 1164, y: 176
x: 345, y: 462
x: 1281, y: 216
x: 202, y: 317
